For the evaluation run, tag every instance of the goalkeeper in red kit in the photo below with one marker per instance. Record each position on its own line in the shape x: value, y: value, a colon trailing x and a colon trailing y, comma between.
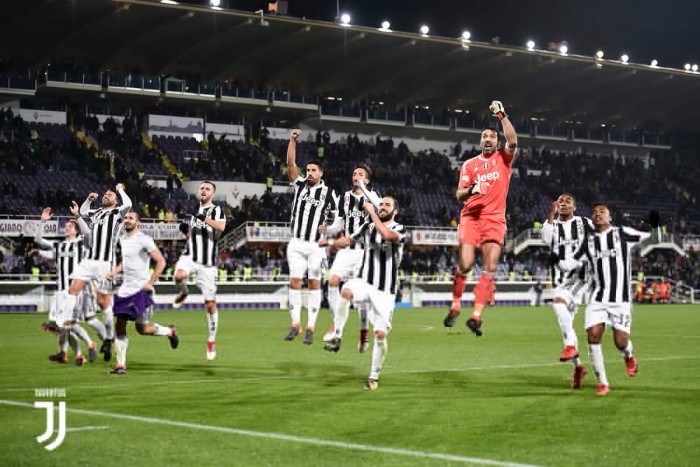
x: 483, y: 187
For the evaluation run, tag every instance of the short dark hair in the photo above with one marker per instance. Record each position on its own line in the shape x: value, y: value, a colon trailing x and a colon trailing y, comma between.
x: 396, y: 202
x: 209, y: 182
x: 317, y: 163
x: 494, y: 129
x: 366, y: 168
x: 573, y: 198
x: 138, y: 216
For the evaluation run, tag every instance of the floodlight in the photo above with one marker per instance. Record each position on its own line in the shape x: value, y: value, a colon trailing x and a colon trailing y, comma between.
x: 599, y: 54
x: 563, y: 49
x: 625, y: 58
x: 386, y: 25
x: 654, y: 63
x: 424, y: 30
x: 466, y: 35
x: 345, y: 19
x: 530, y: 45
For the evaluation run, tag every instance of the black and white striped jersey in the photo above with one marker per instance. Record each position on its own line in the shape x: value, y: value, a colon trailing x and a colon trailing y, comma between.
x: 382, y: 258
x: 202, y: 241
x: 312, y: 206
x: 67, y: 254
x: 564, y: 239
x: 104, y: 229
x: 609, y: 256
x: 352, y: 212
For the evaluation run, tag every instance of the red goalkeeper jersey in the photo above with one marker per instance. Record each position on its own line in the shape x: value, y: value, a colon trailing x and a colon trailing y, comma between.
x: 494, y: 174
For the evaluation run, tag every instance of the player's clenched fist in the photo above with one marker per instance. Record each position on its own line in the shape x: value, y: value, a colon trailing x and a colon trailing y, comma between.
x: 498, y: 110
x: 296, y: 133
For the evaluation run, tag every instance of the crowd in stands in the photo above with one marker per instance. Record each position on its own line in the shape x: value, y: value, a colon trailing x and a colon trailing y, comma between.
x: 44, y: 164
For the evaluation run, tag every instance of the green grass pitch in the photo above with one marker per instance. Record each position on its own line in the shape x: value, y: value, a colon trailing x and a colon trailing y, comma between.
x: 446, y: 397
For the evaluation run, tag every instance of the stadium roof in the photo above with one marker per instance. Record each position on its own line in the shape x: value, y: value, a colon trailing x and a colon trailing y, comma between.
x: 351, y: 62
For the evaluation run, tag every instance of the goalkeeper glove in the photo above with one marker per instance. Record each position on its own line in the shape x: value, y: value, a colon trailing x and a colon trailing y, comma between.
x: 654, y: 218
x: 498, y: 110
x: 477, y: 188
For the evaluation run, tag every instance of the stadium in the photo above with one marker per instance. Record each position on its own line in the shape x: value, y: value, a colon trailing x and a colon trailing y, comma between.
x: 163, y: 96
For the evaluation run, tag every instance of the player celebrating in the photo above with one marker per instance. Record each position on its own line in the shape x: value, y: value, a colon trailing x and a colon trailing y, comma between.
x: 608, y: 252
x: 383, y: 239
x: 106, y: 221
x: 314, y: 203
x: 565, y: 235
x: 348, y: 260
x: 134, y: 299
x: 483, y: 187
x: 200, y: 257
x: 67, y: 253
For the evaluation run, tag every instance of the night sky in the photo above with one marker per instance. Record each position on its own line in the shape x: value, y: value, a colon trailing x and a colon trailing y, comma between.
x: 644, y: 29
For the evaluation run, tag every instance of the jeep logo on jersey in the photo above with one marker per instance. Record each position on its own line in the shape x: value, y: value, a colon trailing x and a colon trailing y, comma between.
x: 314, y: 202
x: 356, y: 214
x: 491, y: 176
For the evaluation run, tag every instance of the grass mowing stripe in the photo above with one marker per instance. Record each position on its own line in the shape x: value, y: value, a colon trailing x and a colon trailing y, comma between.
x: 289, y: 438
x: 397, y: 371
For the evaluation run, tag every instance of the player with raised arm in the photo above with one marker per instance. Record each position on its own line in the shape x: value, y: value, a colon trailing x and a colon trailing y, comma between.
x: 483, y: 187
x: 314, y: 203
x: 565, y: 232
x: 134, y: 299
x: 347, y: 262
x: 201, y: 256
x: 383, y: 240
x: 608, y: 252
x: 106, y: 221
x: 67, y: 253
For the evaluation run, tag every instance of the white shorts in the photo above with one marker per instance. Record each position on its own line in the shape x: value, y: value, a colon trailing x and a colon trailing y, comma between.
x: 60, y: 316
x: 347, y: 263
x: 206, y: 275
x: 615, y: 315
x: 379, y: 305
x: 572, y: 293
x: 303, y: 256
x: 94, y: 270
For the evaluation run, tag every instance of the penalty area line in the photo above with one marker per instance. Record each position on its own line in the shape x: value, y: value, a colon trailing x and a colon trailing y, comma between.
x: 288, y: 438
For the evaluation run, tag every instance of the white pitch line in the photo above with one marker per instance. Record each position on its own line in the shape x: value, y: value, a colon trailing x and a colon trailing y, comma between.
x: 289, y: 438
x: 85, y: 428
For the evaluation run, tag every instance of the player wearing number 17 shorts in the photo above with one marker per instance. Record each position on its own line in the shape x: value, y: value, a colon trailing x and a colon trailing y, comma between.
x: 483, y: 187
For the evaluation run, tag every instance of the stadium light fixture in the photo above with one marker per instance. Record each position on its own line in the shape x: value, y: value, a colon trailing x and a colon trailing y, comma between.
x: 654, y: 63
x: 424, y: 30
x: 386, y: 26
x: 169, y: 2
x: 345, y: 19
x: 466, y: 35
x: 694, y: 68
x: 687, y: 67
x: 530, y: 45
x: 215, y: 3
x: 563, y: 49
x: 625, y: 58
x: 599, y: 55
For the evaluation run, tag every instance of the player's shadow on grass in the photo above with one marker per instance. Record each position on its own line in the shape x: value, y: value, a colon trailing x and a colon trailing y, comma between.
x: 329, y: 374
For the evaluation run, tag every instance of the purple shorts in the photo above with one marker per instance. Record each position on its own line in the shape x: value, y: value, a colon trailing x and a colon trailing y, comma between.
x: 133, y: 306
